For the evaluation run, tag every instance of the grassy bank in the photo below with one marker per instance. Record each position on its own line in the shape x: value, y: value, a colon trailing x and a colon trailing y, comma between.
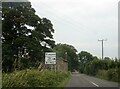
x: 111, y: 75
x: 63, y: 84
x: 35, y: 78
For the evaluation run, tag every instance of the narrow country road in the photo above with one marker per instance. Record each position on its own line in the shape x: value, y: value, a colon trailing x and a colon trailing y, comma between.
x: 82, y: 80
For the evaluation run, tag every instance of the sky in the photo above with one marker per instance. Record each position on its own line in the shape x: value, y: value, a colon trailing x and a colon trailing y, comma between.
x: 82, y: 22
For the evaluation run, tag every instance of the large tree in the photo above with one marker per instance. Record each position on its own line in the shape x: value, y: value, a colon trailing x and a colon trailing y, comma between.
x: 26, y: 36
x: 84, y: 58
x: 67, y: 52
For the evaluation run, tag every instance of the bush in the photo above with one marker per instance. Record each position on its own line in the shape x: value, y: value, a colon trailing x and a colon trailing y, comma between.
x: 102, y: 74
x: 111, y: 74
x: 34, y: 78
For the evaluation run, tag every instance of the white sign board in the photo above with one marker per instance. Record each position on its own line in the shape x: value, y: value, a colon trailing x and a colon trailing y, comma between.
x: 50, y: 58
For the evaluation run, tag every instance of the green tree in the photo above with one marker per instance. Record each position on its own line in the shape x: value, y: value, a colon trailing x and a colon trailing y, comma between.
x: 26, y: 36
x: 67, y: 52
x: 85, y: 56
x: 84, y: 59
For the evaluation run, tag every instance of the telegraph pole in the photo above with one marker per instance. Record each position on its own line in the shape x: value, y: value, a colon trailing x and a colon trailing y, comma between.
x: 102, y: 47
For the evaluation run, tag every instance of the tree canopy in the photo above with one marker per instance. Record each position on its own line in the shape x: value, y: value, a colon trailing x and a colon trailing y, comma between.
x: 67, y: 52
x: 26, y: 36
x: 85, y: 56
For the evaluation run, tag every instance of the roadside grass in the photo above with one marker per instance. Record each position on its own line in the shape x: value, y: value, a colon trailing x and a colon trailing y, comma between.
x: 63, y: 84
x: 0, y: 79
x: 110, y: 75
x: 35, y: 78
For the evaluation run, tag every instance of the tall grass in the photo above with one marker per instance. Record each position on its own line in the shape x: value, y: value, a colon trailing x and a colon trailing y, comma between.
x: 34, y: 78
x: 111, y: 75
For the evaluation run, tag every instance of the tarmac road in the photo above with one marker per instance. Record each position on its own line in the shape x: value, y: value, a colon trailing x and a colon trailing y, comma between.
x: 82, y: 80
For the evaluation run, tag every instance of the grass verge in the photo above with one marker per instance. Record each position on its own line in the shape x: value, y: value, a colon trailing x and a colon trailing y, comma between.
x: 35, y: 78
x: 63, y: 84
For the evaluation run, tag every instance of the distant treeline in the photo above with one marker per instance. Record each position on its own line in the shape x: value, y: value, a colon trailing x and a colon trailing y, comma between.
x: 106, y: 68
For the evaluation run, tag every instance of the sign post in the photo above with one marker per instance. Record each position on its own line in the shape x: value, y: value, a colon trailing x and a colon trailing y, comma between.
x: 50, y: 59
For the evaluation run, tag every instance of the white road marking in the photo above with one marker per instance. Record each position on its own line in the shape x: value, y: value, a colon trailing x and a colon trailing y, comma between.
x: 94, y: 84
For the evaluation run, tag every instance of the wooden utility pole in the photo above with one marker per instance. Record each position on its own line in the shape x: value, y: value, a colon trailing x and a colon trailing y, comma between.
x: 102, y: 47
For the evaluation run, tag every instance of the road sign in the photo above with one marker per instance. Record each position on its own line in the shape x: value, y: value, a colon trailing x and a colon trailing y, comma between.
x: 50, y: 58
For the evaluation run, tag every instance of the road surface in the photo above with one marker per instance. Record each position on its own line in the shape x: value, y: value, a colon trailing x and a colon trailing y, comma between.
x: 82, y: 80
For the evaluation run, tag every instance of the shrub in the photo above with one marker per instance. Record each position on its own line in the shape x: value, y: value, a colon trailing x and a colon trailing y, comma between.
x: 111, y: 74
x: 102, y: 74
x: 34, y: 78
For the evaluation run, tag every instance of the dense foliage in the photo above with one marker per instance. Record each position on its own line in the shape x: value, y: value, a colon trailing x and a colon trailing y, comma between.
x: 34, y: 78
x: 67, y: 52
x: 26, y: 36
x: 111, y: 74
x: 106, y: 68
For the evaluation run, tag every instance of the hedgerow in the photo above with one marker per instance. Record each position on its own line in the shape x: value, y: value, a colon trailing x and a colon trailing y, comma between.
x: 34, y: 78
